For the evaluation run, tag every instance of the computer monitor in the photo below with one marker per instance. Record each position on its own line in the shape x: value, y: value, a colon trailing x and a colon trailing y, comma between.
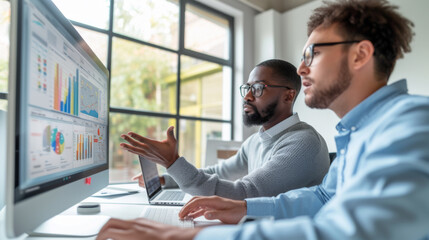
x: 58, y: 107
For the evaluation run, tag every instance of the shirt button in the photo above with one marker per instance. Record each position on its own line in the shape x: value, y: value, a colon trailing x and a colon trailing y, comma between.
x: 353, y: 128
x: 342, y: 151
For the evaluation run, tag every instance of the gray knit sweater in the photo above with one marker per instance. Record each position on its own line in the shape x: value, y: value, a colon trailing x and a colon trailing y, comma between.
x: 266, y: 165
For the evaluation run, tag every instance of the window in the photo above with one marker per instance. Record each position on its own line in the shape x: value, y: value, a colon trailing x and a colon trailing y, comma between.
x: 170, y: 64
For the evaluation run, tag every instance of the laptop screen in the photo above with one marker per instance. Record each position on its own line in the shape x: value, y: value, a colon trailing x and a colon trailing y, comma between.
x: 150, y: 176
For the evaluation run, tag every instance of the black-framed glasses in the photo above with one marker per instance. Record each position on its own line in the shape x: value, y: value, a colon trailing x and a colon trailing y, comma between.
x: 257, y: 89
x: 308, y: 55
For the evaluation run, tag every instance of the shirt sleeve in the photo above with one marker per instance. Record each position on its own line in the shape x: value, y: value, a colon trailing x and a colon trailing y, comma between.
x: 169, y: 182
x: 385, y: 199
x: 292, y: 165
x: 231, y: 169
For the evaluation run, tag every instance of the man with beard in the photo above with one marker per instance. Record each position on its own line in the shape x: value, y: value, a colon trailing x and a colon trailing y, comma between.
x: 377, y: 188
x: 285, y: 154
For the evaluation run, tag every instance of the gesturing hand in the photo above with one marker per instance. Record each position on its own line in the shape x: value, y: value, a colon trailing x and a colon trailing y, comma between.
x: 214, y: 207
x: 162, y: 152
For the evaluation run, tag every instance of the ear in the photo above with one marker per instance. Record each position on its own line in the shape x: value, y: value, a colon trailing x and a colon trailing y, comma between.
x: 289, y: 95
x: 362, y: 54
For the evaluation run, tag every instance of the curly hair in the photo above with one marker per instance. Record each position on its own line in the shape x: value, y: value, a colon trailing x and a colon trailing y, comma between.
x: 373, y: 20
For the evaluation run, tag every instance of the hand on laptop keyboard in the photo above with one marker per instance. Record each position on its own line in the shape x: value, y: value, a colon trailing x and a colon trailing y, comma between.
x: 214, y: 207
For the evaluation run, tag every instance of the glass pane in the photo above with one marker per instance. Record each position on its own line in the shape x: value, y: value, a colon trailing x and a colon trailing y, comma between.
x: 194, y: 135
x: 4, y: 44
x: 96, y: 41
x: 206, y: 32
x: 154, y: 21
x: 124, y: 165
x: 80, y: 10
x: 205, y: 89
x: 3, y: 105
x: 143, y: 77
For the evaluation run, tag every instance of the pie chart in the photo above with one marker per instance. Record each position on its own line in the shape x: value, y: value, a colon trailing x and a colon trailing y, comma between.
x: 57, y: 141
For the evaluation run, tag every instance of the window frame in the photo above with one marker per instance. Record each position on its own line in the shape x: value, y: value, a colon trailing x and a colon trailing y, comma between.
x: 180, y: 51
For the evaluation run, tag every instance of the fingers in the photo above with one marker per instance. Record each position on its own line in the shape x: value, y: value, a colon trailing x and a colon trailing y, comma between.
x: 170, y: 134
x: 212, y: 214
x: 197, y: 203
x: 140, y: 179
x: 130, y: 148
x: 131, y: 229
x: 132, y: 141
x: 139, y: 138
x: 113, y: 233
x: 136, y: 177
x: 224, y: 216
x: 114, y: 223
x: 214, y: 207
x: 196, y: 214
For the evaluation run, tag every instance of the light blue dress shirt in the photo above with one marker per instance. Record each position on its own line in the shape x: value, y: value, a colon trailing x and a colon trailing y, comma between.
x: 376, y: 188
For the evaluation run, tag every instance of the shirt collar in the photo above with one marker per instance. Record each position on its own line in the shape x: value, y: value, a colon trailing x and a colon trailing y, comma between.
x: 361, y: 112
x: 279, y: 127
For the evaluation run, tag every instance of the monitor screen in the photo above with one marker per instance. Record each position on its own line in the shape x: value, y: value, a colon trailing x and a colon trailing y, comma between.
x: 59, y: 107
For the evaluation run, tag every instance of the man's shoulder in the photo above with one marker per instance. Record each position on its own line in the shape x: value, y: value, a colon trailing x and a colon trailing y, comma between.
x: 302, y: 131
x: 405, y: 114
x: 412, y: 101
x: 301, y: 128
x: 406, y: 106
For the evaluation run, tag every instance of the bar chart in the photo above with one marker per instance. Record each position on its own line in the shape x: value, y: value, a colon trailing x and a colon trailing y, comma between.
x: 84, y: 149
x: 66, y: 91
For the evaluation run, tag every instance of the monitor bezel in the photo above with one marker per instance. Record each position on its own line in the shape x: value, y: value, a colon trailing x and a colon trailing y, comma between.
x: 21, y: 205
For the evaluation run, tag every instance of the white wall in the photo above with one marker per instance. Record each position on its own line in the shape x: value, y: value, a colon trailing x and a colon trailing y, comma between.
x: 413, y: 66
x: 268, y: 36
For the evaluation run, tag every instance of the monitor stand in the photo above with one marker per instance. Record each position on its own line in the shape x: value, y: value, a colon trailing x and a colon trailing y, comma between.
x: 71, y: 226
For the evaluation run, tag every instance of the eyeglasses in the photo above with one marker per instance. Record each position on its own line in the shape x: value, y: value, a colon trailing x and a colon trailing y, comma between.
x: 256, y: 88
x: 308, y: 55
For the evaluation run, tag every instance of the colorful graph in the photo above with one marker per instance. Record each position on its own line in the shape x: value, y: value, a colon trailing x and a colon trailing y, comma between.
x: 66, y: 91
x: 57, y: 141
x: 84, y: 148
x: 42, y: 73
x: 89, y: 98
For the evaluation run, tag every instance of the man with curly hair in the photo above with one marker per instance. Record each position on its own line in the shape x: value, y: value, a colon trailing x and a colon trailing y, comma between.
x: 377, y: 188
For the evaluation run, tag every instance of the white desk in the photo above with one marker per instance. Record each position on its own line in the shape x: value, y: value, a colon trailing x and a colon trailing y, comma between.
x: 123, y: 207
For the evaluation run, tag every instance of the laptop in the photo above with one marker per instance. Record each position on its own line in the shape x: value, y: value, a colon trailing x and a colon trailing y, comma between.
x: 155, y: 194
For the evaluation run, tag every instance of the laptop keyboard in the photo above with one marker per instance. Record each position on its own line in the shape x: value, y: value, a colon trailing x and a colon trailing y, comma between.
x: 167, y: 215
x: 171, y: 196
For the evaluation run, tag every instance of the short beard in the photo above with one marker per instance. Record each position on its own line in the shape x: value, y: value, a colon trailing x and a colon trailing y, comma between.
x: 256, y: 118
x: 323, y: 98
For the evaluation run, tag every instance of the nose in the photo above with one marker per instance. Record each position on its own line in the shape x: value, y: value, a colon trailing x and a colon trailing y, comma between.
x: 249, y: 96
x: 303, y: 70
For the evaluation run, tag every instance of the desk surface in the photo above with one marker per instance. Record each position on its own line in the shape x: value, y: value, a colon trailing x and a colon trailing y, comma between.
x: 122, y: 211
x: 123, y: 207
